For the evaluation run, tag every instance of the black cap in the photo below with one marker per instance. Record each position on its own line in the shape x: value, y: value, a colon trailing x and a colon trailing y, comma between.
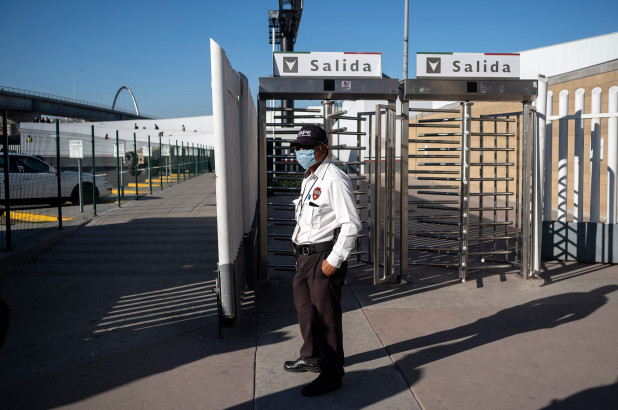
x: 310, y: 136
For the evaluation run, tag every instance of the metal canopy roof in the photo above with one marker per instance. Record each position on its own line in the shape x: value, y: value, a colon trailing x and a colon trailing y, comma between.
x: 315, y: 88
x: 469, y: 90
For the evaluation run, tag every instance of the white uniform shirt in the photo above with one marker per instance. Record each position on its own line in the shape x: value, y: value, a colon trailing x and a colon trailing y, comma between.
x: 326, y: 203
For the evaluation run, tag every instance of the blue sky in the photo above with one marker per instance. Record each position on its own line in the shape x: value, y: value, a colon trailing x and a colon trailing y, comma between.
x: 161, y: 51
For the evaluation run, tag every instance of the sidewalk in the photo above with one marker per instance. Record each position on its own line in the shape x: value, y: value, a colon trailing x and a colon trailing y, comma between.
x: 121, y: 314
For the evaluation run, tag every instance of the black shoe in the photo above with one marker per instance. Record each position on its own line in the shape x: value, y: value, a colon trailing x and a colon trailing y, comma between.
x: 300, y: 365
x: 326, y: 382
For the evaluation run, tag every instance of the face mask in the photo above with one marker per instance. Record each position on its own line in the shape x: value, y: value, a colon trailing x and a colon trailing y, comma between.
x: 306, y: 158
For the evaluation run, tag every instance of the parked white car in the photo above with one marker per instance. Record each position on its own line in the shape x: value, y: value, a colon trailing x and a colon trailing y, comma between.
x: 34, y: 180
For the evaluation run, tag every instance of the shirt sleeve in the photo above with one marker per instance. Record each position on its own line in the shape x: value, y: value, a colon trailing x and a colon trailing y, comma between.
x: 346, y: 215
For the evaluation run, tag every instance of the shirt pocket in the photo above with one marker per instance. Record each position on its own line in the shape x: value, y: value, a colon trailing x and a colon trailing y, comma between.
x: 317, y: 216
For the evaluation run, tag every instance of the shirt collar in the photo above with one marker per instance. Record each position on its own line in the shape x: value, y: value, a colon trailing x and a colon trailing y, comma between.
x: 318, y: 172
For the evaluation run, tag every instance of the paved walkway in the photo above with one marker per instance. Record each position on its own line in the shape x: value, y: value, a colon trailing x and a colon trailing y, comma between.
x: 121, y: 314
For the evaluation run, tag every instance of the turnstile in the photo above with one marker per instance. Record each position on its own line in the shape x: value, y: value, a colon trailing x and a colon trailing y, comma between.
x: 350, y: 149
x: 464, y: 177
x: 466, y: 182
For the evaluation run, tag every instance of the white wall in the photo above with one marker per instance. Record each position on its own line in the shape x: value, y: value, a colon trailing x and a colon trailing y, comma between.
x: 567, y: 57
x: 198, y: 130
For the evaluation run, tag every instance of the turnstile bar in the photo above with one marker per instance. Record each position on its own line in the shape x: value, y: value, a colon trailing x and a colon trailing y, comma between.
x: 440, y: 134
x: 433, y: 202
x: 433, y: 156
x: 439, y: 120
x: 493, y: 134
x: 493, y: 179
x: 444, y: 110
x: 438, y: 164
x: 433, y: 126
x: 432, y: 141
x: 432, y: 187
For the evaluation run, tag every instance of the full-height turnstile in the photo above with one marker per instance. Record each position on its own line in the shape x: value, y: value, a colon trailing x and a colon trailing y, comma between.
x: 470, y: 178
x: 280, y: 175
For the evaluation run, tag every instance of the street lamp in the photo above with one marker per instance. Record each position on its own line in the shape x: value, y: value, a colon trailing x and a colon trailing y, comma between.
x: 74, y: 75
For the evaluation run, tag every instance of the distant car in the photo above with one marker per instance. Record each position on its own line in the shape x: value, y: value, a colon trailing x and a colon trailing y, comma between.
x: 33, y: 180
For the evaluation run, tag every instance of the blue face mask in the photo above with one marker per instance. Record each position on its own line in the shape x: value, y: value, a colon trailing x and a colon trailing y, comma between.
x: 306, y: 158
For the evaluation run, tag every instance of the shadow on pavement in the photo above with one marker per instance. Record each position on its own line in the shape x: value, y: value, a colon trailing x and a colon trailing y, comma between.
x: 545, y: 313
x: 109, y: 302
x: 598, y: 398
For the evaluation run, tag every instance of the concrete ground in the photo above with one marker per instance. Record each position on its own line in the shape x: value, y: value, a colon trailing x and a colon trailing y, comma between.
x: 122, y: 314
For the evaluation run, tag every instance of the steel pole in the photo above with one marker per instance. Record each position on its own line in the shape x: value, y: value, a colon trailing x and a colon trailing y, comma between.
x: 149, y: 166
x: 377, y: 198
x: 160, y: 163
x: 403, y: 186
x: 135, y: 166
x: 118, y: 166
x: 464, y: 221
x: 7, y: 192
x: 58, y: 174
x: 81, y: 184
x: 405, y: 39
x: 94, y: 185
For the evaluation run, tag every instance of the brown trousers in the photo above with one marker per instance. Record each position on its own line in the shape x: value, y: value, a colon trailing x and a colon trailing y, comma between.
x: 317, y: 298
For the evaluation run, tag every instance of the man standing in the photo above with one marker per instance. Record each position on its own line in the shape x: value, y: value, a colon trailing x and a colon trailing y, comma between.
x: 326, y: 203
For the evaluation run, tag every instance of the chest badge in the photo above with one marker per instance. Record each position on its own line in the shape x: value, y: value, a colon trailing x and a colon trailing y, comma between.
x: 316, y: 193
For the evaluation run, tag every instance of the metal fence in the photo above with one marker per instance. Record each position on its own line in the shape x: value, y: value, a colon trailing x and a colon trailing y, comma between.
x: 36, y: 199
x: 580, y: 162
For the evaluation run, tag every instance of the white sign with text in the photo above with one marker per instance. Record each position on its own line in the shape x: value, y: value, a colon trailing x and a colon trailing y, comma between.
x: 121, y: 146
x: 467, y: 65
x: 76, y: 149
x: 327, y: 64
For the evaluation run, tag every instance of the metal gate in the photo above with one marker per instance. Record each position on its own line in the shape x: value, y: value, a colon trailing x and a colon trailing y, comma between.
x: 279, y: 174
x: 469, y: 178
x: 465, y: 190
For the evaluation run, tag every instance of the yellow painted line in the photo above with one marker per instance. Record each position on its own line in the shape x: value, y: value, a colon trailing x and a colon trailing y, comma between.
x: 132, y: 184
x: 30, y: 217
x: 128, y: 191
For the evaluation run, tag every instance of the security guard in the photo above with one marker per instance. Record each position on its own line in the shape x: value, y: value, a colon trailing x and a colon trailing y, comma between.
x: 326, y: 203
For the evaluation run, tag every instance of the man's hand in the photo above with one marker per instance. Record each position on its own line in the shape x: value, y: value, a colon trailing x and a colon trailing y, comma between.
x: 327, y: 268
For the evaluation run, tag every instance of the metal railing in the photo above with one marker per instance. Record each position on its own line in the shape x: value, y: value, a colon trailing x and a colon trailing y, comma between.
x: 92, y: 178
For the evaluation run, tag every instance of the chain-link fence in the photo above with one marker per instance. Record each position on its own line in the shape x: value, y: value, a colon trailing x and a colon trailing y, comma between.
x: 97, y: 173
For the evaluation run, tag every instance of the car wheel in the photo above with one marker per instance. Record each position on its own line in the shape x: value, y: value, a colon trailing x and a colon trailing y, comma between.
x: 75, y: 195
x: 87, y: 187
x: 88, y: 193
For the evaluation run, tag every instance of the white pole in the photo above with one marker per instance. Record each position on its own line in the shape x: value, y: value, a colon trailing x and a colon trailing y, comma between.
x: 563, y: 150
x: 595, y: 157
x: 612, y: 154
x: 578, y: 160
x: 549, y: 140
x: 405, y: 38
x: 541, y: 102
